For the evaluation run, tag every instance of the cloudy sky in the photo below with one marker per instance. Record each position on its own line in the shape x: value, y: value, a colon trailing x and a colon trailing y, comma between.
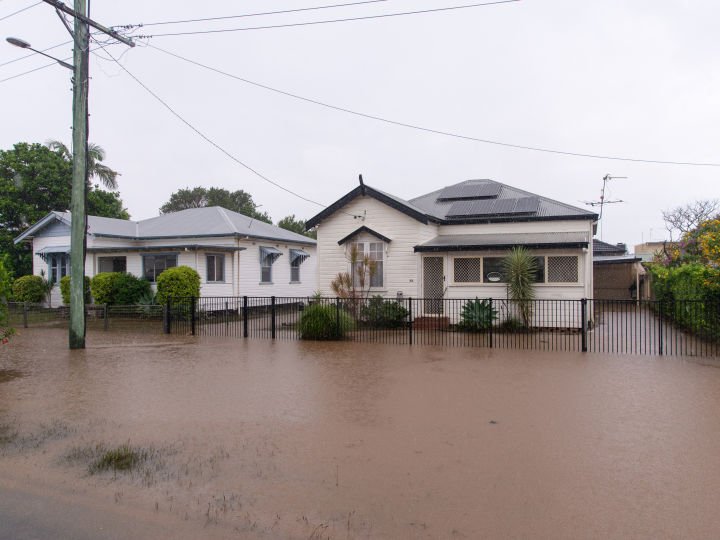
x: 632, y: 79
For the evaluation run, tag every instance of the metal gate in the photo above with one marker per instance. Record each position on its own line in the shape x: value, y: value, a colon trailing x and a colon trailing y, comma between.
x: 433, y: 285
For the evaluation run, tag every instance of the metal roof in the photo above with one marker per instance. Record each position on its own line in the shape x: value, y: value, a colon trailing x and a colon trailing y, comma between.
x: 435, y: 205
x: 211, y: 221
x: 484, y: 242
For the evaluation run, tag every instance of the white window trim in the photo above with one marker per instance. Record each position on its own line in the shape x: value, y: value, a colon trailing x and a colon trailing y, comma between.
x: 221, y: 255
x: 366, y: 241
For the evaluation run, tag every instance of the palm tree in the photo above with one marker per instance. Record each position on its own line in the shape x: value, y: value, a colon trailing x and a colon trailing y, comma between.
x: 95, y: 154
x: 520, y: 269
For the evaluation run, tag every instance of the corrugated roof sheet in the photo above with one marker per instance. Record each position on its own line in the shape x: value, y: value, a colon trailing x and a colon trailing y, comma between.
x: 193, y: 222
x: 432, y: 205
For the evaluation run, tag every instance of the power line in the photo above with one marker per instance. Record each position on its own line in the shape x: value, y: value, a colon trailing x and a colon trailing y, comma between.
x: 33, y: 54
x: 310, y: 23
x: 20, y: 11
x: 283, y: 11
x: 432, y: 130
x: 208, y: 139
x: 32, y: 70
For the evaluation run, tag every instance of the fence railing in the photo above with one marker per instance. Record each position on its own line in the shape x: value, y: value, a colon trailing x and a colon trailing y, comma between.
x: 147, y: 318
x: 607, y: 326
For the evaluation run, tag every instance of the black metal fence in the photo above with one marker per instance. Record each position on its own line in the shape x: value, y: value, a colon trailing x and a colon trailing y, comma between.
x: 145, y: 318
x: 689, y: 327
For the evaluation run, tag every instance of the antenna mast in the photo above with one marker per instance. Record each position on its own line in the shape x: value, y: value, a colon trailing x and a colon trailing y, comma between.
x: 602, y: 202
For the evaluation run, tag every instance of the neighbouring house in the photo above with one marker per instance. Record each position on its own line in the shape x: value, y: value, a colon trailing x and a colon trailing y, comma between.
x: 617, y: 275
x: 450, y: 243
x: 234, y: 254
x: 648, y: 251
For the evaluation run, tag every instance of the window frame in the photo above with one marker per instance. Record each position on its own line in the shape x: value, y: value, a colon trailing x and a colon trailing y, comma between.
x: 58, y: 267
x: 155, y: 272
x: 368, y: 250
x: 113, y: 260
x: 215, y: 257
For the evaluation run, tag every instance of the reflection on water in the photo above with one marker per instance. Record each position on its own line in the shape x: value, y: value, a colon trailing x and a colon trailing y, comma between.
x: 341, y: 440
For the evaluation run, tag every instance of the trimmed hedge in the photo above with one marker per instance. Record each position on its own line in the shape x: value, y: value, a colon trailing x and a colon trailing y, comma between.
x: 320, y: 322
x: 177, y: 282
x: 119, y: 288
x: 29, y: 289
x: 65, y: 290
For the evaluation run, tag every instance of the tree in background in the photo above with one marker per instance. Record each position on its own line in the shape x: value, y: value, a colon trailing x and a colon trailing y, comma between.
x: 199, y: 197
x: 95, y: 167
x: 289, y: 223
x: 5, y: 279
x: 34, y: 181
x: 684, y: 219
x: 106, y: 204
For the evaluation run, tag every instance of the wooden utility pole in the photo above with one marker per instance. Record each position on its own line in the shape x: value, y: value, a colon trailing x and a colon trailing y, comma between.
x: 78, y: 228
x: 81, y: 56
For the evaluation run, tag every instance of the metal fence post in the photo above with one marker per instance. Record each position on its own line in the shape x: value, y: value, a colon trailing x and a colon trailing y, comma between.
x: 584, y: 323
x: 410, y: 321
x: 192, y: 315
x: 25, y: 314
x: 490, y: 314
x: 337, y: 316
x: 245, y: 316
x: 166, y: 317
x: 272, y: 317
x: 660, y: 328
x: 105, y: 317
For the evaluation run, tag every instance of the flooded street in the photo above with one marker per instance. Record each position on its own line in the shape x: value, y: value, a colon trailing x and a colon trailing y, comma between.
x: 260, y: 439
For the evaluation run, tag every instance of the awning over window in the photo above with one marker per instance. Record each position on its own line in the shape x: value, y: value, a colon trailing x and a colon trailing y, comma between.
x: 485, y: 242
x: 49, y: 250
x: 269, y: 254
x: 298, y: 255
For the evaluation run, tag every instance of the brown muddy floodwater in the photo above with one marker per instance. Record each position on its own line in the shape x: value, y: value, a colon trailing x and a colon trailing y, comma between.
x: 260, y: 439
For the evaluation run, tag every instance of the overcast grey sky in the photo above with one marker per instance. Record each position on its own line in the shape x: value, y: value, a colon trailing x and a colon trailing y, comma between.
x: 636, y: 79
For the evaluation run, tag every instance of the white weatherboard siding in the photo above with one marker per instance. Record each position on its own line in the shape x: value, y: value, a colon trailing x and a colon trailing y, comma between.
x: 249, y: 282
x: 400, y: 262
x: 241, y: 268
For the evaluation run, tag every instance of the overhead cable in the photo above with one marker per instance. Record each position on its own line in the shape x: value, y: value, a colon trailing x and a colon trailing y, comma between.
x: 328, y: 21
x: 418, y: 127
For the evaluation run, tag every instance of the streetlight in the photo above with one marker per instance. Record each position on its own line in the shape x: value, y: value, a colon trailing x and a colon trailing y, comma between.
x: 25, y: 45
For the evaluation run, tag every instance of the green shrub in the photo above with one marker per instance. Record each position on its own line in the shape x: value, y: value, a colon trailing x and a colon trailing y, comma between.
x: 65, y: 290
x: 178, y: 282
x: 379, y: 313
x: 320, y: 322
x: 477, y: 315
x: 689, y: 295
x: 130, y: 289
x: 29, y: 289
x: 118, y: 288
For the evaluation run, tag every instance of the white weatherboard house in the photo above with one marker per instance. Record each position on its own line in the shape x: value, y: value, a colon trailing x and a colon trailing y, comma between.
x: 450, y: 243
x: 234, y: 254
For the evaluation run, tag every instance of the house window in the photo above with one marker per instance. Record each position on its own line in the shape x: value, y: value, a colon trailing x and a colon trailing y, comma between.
x: 374, y: 251
x: 154, y: 265
x: 494, y: 270
x: 467, y: 270
x: 563, y: 269
x: 297, y: 257
x: 58, y: 266
x: 112, y: 264
x: 215, y: 268
x: 268, y: 255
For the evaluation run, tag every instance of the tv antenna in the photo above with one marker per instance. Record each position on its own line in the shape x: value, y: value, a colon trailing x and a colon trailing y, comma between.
x: 602, y: 202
